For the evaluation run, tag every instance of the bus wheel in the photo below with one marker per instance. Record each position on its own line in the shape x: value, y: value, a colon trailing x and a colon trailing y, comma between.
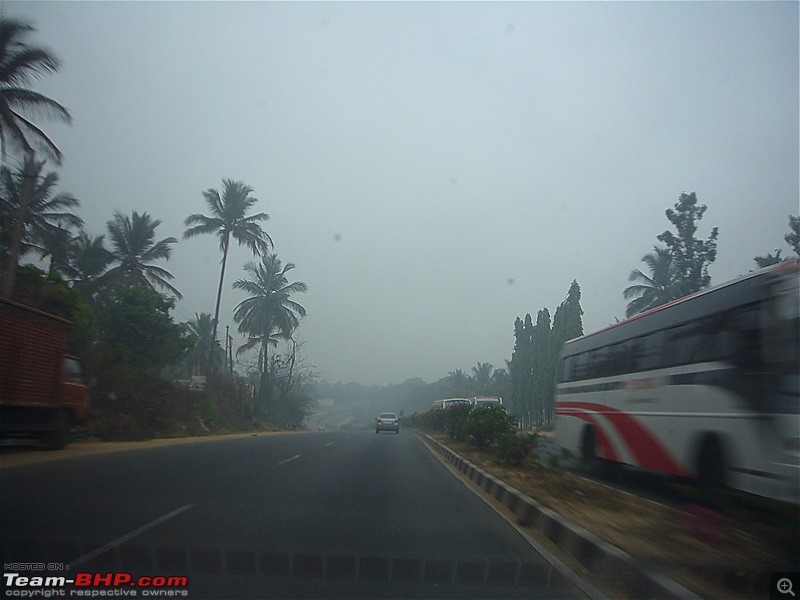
x: 57, y: 435
x: 711, y: 468
x: 589, y: 449
x: 593, y: 464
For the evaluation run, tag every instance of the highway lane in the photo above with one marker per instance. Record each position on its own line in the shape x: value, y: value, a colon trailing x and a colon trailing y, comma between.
x: 328, y: 514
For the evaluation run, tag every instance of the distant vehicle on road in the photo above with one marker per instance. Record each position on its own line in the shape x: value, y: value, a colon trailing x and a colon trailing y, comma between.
x: 481, y: 401
x: 449, y: 403
x: 41, y: 392
x: 387, y: 422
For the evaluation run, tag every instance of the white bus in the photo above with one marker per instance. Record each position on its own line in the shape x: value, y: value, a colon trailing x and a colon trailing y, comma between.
x: 449, y: 403
x: 706, y: 387
x: 480, y: 401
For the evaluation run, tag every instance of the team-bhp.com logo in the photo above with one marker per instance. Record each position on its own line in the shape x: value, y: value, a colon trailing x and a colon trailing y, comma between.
x: 94, y: 585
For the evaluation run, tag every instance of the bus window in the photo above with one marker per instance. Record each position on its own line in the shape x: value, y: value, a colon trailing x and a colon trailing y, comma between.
x: 745, y: 349
x: 566, y: 369
x: 579, y: 368
x: 597, y: 362
x: 781, y: 326
x: 650, y: 352
x: 685, y: 344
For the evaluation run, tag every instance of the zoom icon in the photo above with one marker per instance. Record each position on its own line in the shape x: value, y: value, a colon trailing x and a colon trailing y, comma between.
x: 784, y: 585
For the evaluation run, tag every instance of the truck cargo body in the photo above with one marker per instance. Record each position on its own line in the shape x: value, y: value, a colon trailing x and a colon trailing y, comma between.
x: 41, y: 391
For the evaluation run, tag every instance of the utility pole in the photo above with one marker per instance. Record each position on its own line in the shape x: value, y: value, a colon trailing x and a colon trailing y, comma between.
x: 230, y: 352
x: 227, y: 336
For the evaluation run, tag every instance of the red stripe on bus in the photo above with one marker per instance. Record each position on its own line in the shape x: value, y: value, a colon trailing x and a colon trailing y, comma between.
x: 649, y: 452
x: 606, y: 446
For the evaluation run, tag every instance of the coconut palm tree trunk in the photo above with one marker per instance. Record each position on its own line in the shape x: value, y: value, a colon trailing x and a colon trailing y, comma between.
x: 216, y: 308
x: 13, y: 255
x: 266, y: 384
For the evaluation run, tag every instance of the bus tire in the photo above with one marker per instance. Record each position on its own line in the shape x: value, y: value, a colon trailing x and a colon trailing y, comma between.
x: 712, y: 471
x: 593, y: 464
x: 589, y: 449
x: 57, y: 435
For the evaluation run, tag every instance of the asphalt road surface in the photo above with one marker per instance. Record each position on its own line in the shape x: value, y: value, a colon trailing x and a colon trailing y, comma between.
x: 328, y: 514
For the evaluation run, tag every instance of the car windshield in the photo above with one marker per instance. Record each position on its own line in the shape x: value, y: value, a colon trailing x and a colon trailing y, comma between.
x: 559, y: 239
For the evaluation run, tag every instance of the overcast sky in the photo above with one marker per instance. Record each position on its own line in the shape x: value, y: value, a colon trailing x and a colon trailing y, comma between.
x: 433, y: 169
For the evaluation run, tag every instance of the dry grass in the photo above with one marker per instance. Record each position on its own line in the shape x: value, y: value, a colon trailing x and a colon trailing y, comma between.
x: 712, y: 555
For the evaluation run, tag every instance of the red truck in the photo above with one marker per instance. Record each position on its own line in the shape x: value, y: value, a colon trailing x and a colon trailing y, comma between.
x: 41, y: 391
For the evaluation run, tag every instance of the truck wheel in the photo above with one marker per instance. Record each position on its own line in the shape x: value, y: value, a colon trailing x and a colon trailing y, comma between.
x: 57, y: 436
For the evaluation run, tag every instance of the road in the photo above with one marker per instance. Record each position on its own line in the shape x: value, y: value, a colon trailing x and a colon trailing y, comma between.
x: 323, y: 514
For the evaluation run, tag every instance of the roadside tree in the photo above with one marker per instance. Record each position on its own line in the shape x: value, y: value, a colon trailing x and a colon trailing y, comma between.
x: 47, y: 218
x: 690, y: 256
x: 133, y: 247
x: 200, y: 334
x: 228, y: 220
x: 793, y: 237
x: 137, y: 331
x: 649, y: 291
x: 269, y: 314
x: 20, y: 65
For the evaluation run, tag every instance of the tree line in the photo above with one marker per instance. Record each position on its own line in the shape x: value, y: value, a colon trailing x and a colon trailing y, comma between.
x: 534, y: 359
x: 679, y: 267
x: 111, y: 285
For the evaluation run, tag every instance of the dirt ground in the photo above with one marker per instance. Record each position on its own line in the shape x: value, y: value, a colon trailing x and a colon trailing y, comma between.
x: 26, y: 453
x: 713, y: 555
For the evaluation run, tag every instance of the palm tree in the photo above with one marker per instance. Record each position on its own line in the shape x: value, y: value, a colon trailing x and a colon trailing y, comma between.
x: 133, y: 247
x: 89, y: 259
x: 482, y: 376
x: 201, y: 328
x: 268, y: 314
x: 656, y: 289
x: 261, y: 342
x: 47, y: 217
x: 460, y: 383
x: 229, y: 220
x: 21, y: 64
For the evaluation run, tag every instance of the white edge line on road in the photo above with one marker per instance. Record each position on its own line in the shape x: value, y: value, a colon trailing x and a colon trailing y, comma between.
x: 283, y: 462
x: 329, y: 444
x: 128, y: 536
x: 559, y: 566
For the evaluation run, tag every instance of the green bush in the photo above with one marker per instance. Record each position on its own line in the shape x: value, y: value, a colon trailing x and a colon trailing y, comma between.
x: 208, y: 412
x: 128, y: 404
x: 513, y: 448
x: 484, y: 425
x: 436, y: 420
x: 455, y: 419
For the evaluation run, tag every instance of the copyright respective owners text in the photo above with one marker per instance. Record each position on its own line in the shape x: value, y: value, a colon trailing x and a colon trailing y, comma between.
x: 55, y: 580
x: 784, y: 585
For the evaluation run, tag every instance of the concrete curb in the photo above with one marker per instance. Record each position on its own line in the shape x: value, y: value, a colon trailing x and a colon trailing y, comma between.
x: 597, y: 556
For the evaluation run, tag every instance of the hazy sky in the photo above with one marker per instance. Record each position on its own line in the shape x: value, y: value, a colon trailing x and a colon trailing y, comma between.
x: 433, y: 169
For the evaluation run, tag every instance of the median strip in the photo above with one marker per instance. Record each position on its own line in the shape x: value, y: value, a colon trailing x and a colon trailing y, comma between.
x: 597, y: 556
